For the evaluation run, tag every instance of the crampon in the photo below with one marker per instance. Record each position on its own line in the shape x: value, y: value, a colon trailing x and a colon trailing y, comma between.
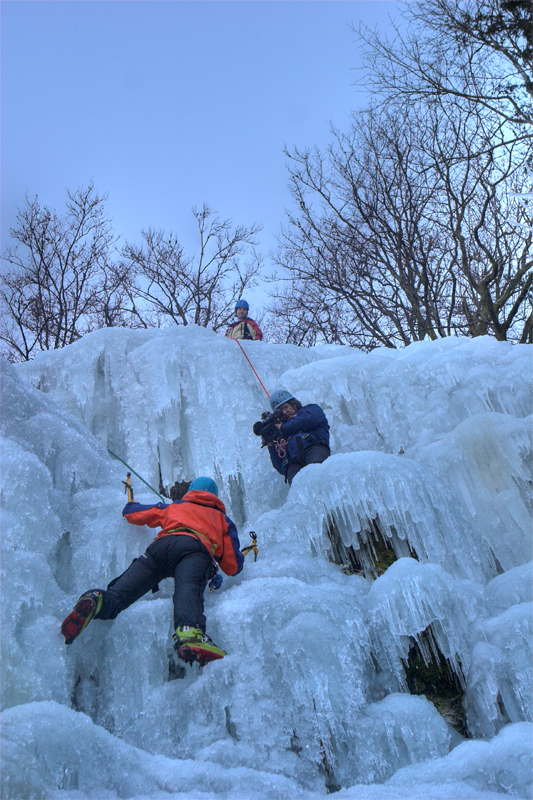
x: 194, y: 646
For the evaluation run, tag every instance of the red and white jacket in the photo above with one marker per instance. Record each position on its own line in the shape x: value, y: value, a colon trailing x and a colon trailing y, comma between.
x: 245, y: 329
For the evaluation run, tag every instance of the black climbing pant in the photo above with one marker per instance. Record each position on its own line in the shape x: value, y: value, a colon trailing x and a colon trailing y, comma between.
x: 315, y: 454
x: 174, y: 556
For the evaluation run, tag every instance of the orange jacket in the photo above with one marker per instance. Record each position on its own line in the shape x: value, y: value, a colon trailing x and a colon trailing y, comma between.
x: 199, y: 514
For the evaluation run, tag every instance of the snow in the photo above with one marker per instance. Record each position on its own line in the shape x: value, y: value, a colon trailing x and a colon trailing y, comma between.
x: 431, y: 449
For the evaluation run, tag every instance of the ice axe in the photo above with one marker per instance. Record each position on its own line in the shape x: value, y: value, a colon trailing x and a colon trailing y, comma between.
x: 128, y: 487
x: 253, y: 546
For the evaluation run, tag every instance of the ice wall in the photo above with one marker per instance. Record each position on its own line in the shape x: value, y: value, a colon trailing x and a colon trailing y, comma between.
x: 180, y: 401
x: 431, y: 446
x: 60, y: 530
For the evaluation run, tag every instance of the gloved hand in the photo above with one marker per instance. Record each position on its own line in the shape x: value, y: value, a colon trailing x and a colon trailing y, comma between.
x: 215, y: 582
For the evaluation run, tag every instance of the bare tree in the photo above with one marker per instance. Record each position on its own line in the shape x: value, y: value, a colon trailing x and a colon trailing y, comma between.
x: 408, y: 227
x: 476, y: 52
x: 488, y: 227
x: 369, y: 248
x: 67, y: 282
x: 168, y: 286
x: 305, y: 314
x: 416, y: 222
x: 61, y: 285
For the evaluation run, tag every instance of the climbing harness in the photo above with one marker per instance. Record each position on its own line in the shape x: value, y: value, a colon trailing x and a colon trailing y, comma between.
x: 252, y: 366
x: 199, y: 536
x: 253, y: 546
x: 207, y: 544
x: 164, y: 499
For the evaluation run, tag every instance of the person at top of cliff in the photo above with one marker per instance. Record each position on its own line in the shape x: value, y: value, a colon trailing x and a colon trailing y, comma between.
x: 244, y: 327
x: 196, y: 537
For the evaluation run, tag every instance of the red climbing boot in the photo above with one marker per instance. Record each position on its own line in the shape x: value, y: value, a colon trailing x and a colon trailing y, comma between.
x: 85, y: 609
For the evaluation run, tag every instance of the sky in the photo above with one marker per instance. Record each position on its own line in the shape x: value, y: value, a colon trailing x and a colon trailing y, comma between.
x: 167, y: 104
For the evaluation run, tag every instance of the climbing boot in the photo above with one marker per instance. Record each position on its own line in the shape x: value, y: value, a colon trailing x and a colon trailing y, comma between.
x: 192, y: 644
x: 85, y: 609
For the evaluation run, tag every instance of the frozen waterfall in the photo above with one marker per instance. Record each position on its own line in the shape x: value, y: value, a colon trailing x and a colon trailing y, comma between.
x: 402, y: 561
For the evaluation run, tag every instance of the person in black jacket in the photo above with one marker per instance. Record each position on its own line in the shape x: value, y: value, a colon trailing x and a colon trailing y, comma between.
x: 305, y: 435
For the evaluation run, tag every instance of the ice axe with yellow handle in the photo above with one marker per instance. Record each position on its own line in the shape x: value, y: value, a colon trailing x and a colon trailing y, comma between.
x: 128, y: 487
x: 253, y: 546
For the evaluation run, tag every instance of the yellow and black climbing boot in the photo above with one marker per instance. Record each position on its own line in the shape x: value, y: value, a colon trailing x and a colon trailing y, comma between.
x: 192, y: 644
x: 85, y: 609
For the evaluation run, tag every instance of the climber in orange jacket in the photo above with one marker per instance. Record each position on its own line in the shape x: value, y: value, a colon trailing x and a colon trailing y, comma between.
x: 196, y: 537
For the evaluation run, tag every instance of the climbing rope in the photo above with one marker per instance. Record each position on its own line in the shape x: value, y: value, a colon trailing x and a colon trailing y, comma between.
x: 252, y: 366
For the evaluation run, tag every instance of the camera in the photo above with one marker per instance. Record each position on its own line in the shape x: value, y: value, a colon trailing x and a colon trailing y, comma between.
x: 266, y: 426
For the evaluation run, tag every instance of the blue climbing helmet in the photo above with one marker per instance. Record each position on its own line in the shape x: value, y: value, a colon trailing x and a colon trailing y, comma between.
x: 203, y: 484
x: 279, y: 397
x: 242, y: 304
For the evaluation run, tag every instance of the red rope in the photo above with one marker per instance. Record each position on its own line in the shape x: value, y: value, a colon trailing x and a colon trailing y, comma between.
x: 252, y: 366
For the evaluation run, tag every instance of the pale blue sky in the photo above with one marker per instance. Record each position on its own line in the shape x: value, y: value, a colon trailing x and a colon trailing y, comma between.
x: 167, y: 104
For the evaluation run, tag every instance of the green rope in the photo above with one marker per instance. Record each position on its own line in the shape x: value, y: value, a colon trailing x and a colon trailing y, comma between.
x: 164, y: 499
